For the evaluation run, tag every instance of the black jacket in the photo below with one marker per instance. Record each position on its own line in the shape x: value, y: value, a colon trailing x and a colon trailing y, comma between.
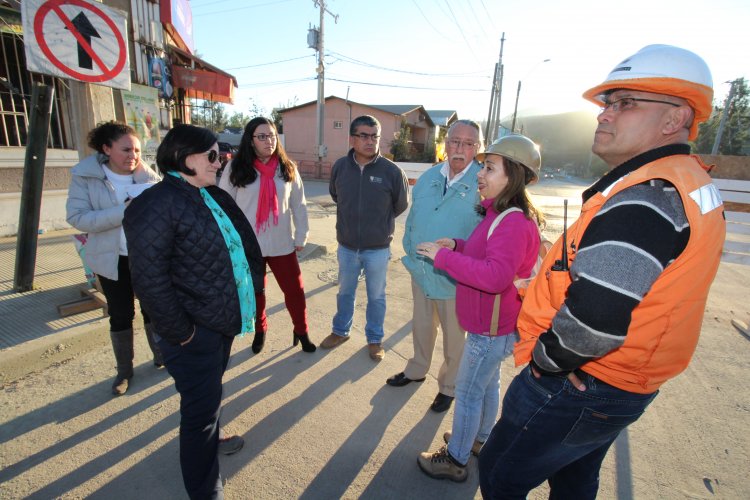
x: 367, y: 201
x: 179, y: 262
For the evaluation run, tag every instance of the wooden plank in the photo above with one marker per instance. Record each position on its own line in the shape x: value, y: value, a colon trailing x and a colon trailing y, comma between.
x: 739, y: 217
x: 735, y: 258
x: 732, y: 185
x: 735, y: 196
x: 735, y: 228
x: 742, y: 247
x: 77, y: 306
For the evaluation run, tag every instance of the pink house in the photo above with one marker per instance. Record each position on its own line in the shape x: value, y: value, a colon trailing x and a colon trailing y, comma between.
x: 300, y: 130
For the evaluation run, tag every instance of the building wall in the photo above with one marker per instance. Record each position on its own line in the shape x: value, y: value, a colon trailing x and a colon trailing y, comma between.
x: 301, y: 124
x: 56, y: 179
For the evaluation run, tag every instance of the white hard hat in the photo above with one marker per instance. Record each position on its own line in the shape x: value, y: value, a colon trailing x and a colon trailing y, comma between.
x: 663, y: 69
x: 520, y: 149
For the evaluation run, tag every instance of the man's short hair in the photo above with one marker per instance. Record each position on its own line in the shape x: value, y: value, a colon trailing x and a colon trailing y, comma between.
x: 366, y: 120
x: 472, y: 124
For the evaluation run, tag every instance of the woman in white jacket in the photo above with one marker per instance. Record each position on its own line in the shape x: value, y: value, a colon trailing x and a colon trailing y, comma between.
x: 101, y: 186
x: 266, y: 185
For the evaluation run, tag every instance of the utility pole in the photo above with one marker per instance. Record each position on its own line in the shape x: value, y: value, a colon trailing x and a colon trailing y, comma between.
x: 515, y: 109
x: 724, y: 116
x: 322, y: 150
x: 33, y: 184
x: 493, y: 117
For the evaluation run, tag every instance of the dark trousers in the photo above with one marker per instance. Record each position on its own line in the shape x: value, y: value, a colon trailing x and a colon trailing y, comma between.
x: 549, y: 430
x: 197, y: 369
x: 120, y: 298
x: 285, y: 269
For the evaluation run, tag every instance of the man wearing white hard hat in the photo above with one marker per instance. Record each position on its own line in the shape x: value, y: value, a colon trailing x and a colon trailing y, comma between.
x: 601, y: 336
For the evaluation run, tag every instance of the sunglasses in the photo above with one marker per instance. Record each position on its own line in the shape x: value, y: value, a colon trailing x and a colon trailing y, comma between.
x: 213, y: 155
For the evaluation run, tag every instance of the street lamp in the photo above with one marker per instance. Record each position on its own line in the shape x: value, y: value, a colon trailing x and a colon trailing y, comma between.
x: 518, y: 92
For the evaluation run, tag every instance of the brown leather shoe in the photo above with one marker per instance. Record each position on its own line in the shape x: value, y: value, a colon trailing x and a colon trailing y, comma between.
x: 376, y: 351
x: 333, y: 340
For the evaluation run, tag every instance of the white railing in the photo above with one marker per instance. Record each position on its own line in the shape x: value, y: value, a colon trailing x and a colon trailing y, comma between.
x: 736, y: 196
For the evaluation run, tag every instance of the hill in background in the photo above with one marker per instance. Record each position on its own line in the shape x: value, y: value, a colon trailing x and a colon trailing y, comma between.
x: 565, y: 141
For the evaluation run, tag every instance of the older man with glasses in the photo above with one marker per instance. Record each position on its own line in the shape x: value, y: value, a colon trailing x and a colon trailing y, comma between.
x: 370, y: 192
x: 601, y: 337
x: 443, y: 205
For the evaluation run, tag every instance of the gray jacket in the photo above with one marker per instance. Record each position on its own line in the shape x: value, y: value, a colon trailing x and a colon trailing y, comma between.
x: 367, y: 201
x: 92, y: 207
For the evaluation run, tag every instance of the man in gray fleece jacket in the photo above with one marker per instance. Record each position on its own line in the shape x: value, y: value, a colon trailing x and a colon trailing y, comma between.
x: 370, y: 192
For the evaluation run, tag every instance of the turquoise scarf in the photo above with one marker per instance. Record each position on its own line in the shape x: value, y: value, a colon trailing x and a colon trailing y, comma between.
x: 242, y: 275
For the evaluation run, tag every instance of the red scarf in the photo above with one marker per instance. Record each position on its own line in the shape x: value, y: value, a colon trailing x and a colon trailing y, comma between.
x: 267, y: 199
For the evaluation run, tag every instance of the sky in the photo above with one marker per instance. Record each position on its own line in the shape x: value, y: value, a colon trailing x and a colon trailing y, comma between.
x: 442, y: 53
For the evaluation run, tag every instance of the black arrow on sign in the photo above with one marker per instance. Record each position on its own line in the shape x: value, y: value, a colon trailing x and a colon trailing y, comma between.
x: 87, y: 30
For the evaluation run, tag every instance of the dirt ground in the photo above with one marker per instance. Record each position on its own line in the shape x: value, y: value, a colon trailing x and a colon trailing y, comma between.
x: 324, y: 425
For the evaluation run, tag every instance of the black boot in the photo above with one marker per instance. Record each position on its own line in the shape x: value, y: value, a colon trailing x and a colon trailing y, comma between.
x: 259, y: 340
x: 158, y: 358
x: 307, y: 346
x: 122, y: 345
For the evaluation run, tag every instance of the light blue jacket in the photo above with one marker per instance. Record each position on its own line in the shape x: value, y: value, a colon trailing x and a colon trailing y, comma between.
x: 434, y: 216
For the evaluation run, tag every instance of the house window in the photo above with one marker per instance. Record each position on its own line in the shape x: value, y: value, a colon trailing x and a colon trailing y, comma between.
x: 338, y: 124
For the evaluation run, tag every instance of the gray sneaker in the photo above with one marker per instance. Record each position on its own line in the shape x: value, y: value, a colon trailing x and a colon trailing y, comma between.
x: 475, y: 448
x: 441, y: 465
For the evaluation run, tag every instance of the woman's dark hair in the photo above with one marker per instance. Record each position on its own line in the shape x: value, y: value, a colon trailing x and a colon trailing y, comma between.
x: 179, y: 143
x: 105, y: 133
x: 514, y: 194
x: 243, y: 169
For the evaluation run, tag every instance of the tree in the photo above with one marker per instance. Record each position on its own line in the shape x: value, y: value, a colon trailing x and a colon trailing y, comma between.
x: 278, y: 120
x: 736, y: 136
x: 400, y: 143
x: 209, y: 114
x: 276, y: 115
x: 238, y: 120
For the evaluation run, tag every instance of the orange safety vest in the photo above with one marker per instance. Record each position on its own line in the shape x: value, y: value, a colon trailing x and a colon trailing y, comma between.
x: 665, y: 326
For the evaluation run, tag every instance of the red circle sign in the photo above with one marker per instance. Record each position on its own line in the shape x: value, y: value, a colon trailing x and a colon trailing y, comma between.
x: 107, y: 73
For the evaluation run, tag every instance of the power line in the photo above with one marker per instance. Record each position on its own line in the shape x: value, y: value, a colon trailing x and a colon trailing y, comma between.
x: 476, y: 19
x: 428, y: 21
x: 351, y: 60
x: 455, y: 21
x: 272, y: 62
x: 405, y: 86
x: 240, y: 8
x: 487, y: 12
x: 278, y: 82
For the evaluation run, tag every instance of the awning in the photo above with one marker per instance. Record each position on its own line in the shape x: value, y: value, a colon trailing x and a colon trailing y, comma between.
x: 199, y: 79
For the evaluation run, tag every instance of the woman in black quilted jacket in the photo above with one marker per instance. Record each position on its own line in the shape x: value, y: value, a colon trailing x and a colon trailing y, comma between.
x: 195, y: 266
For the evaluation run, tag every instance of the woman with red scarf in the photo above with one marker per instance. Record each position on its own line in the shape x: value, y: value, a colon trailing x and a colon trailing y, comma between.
x: 266, y: 185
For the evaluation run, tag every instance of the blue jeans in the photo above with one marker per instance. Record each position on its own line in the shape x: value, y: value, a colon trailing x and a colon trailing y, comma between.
x: 549, y: 430
x: 478, y: 391
x: 375, y: 265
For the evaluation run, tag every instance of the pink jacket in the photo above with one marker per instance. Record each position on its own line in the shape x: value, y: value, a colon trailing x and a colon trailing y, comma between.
x: 484, y: 268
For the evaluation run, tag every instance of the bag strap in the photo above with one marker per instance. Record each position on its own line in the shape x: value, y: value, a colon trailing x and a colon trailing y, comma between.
x: 496, y: 306
x: 500, y: 218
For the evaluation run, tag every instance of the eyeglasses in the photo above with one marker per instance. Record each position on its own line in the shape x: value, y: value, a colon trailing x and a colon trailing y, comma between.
x: 365, y: 137
x: 213, y: 155
x: 457, y: 144
x: 265, y: 137
x: 628, y: 103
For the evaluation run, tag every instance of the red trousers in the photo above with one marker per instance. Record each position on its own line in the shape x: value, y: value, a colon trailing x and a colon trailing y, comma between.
x: 285, y: 269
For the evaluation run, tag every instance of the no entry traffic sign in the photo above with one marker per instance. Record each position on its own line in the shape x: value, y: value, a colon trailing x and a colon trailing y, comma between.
x: 77, y: 39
